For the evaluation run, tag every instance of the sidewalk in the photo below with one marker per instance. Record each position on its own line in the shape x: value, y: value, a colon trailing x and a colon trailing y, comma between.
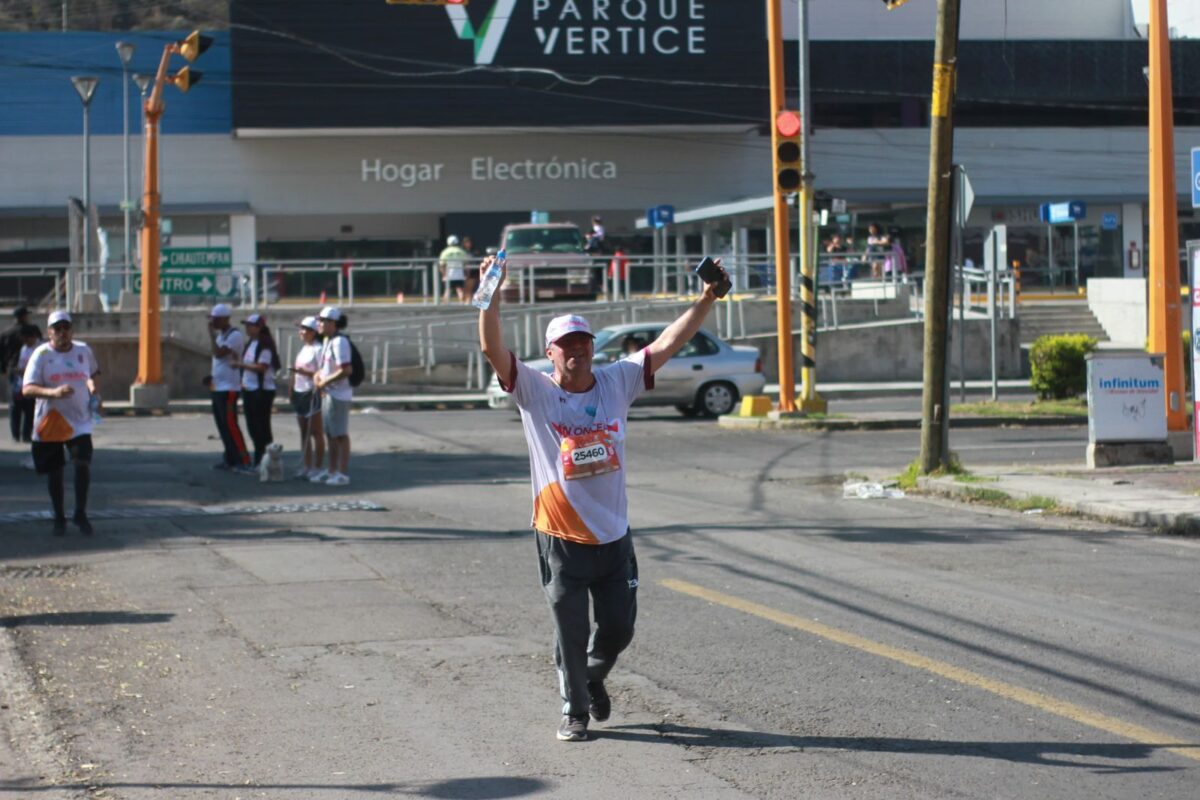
x: 1161, y: 496
x: 474, y: 399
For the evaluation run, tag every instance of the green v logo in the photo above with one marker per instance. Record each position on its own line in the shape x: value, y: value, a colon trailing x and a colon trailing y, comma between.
x: 487, y: 38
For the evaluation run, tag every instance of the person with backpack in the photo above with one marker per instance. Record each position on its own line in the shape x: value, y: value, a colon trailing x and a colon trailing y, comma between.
x: 259, y: 362
x: 339, y: 372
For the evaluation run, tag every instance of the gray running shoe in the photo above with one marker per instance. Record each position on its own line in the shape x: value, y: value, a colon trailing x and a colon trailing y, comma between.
x: 573, y: 729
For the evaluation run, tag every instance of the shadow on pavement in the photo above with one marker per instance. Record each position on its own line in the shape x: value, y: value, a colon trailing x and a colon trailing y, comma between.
x: 870, y: 605
x: 1042, y: 753
x: 84, y: 618
x: 486, y: 788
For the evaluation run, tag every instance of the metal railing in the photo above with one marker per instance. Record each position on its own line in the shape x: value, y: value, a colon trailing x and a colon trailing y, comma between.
x: 606, y: 278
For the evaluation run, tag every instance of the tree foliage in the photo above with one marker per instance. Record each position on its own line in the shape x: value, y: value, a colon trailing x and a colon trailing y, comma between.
x: 113, y: 15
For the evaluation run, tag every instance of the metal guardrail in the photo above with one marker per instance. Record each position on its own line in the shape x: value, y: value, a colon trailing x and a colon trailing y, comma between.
x: 265, y: 283
x: 424, y: 343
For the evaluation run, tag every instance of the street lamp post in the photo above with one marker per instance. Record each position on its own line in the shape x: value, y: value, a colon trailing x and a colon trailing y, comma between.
x: 125, y: 52
x: 85, y: 86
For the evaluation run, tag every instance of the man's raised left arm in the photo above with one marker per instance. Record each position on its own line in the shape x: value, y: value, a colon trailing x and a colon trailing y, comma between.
x: 681, y: 331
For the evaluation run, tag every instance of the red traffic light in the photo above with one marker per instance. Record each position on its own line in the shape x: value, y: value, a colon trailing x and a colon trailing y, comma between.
x: 787, y: 123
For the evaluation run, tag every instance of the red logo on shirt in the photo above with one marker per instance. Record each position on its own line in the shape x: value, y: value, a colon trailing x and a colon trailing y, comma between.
x: 567, y: 431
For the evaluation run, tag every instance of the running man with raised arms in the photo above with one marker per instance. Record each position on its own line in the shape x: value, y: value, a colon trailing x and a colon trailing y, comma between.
x: 574, y: 424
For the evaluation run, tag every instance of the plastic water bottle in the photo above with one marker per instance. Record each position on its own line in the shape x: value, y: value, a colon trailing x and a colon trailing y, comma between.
x: 491, y: 279
x: 94, y: 406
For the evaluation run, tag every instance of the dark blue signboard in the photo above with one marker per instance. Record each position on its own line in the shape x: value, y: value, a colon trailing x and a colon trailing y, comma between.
x: 511, y: 63
x: 660, y: 216
x: 1068, y: 211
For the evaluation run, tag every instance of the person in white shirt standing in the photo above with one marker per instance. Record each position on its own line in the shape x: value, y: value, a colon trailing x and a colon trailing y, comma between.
x: 304, y: 401
x: 333, y: 383
x: 258, y: 363
x: 227, y: 345
x: 61, y: 377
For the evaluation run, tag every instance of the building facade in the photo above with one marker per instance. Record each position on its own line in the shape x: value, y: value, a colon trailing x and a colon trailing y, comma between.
x: 378, y: 130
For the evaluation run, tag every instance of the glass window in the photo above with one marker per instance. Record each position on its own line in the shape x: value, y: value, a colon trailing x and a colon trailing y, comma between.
x: 544, y: 240
x: 613, y: 347
x: 700, y: 345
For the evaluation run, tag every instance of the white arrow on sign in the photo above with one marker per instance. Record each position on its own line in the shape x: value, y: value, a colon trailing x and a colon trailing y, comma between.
x: 205, y: 284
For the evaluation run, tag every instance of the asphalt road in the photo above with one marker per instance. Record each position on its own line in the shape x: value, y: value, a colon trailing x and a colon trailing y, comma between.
x: 242, y: 640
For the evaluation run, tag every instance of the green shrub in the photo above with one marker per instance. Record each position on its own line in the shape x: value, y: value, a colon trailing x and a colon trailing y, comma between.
x: 1058, y: 365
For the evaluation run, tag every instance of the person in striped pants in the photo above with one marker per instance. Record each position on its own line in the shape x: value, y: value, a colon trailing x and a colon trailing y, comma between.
x: 227, y: 346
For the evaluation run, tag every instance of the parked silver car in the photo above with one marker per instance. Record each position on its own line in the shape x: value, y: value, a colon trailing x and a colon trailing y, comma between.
x: 707, y: 376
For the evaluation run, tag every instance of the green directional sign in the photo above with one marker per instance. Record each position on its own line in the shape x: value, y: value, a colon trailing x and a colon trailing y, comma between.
x: 197, y: 258
x: 204, y: 284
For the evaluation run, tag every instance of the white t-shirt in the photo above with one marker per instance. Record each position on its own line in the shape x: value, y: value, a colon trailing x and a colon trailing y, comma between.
x: 309, y: 358
x: 591, y: 510
x: 334, y: 353
x: 226, y: 377
x: 251, y: 380
x: 49, y: 368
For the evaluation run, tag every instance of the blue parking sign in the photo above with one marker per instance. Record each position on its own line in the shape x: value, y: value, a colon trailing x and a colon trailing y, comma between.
x: 1196, y: 177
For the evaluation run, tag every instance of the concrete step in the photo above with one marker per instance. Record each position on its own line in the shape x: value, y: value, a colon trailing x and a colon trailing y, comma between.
x: 1043, y: 319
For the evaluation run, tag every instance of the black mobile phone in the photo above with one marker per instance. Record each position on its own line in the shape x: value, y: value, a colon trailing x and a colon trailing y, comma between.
x: 709, y: 272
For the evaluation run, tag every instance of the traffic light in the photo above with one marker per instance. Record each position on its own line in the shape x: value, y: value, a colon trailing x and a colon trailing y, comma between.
x: 785, y: 138
x: 195, y: 44
x: 185, y: 79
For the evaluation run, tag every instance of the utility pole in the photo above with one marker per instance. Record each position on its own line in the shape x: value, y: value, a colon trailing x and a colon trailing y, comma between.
x: 810, y: 401
x: 1164, y: 313
x: 935, y: 415
x: 783, y: 278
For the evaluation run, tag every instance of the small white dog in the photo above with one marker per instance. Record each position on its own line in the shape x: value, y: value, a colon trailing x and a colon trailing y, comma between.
x: 270, y: 469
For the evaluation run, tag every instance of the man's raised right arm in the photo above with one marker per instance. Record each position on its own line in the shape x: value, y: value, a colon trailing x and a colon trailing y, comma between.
x: 491, y: 334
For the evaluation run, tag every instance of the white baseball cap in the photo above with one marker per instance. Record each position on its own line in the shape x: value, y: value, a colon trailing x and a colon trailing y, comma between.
x: 57, y: 317
x: 451, y: 240
x: 254, y: 319
x: 220, y: 310
x: 330, y: 312
x: 309, y: 322
x: 567, y: 323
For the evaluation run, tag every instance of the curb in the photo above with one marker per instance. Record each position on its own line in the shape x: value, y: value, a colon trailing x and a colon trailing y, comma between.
x: 1179, y: 523
x: 359, y: 404
x: 732, y: 422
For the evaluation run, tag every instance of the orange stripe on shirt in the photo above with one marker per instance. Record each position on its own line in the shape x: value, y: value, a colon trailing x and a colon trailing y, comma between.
x: 554, y: 514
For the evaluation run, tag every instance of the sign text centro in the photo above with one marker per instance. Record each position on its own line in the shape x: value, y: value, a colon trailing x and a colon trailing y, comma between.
x: 487, y: 168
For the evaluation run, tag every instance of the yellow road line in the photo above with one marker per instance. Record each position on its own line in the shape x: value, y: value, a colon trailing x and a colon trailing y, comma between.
x: 1038, y: 700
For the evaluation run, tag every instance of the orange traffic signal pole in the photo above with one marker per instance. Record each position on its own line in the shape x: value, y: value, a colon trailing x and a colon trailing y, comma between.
x: 150, y: 339
x: 1165, y: 328
x: 783, y: 276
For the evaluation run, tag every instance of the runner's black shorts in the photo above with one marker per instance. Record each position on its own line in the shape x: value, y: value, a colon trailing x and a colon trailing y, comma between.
x: 48, y: 456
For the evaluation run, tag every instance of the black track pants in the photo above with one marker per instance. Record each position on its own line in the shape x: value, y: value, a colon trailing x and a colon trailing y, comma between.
x: 570, y: 572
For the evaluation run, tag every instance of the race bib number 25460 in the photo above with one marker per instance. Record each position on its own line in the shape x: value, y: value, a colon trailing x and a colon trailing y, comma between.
x: 589, y: 454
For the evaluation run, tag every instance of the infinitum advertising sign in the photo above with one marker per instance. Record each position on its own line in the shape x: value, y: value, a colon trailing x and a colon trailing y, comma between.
x: 1126, y: 400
